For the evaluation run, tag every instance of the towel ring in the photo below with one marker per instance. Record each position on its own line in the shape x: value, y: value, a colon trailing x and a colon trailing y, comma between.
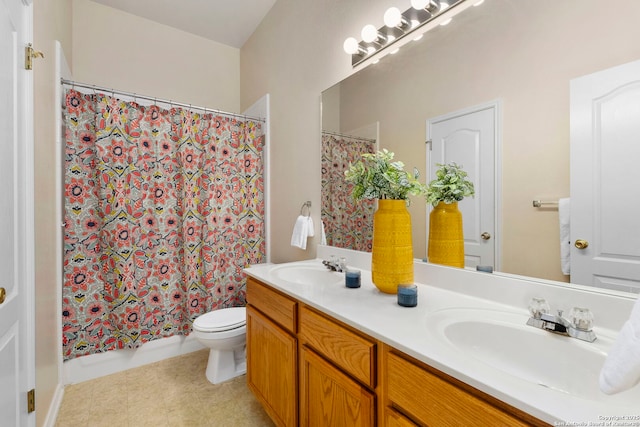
x: 307, y: 205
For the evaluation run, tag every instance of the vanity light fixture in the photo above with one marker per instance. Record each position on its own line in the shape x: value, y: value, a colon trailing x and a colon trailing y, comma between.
x: 371, y: 35
x: 398, y: 25
x: 393, y: 18
x: 428, y: 5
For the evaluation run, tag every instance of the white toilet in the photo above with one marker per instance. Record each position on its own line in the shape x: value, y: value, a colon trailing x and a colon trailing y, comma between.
x: 224, y: 332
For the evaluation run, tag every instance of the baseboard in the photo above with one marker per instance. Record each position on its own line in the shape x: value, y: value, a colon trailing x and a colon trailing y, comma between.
x: 98, y: 365
x: 54, y: 407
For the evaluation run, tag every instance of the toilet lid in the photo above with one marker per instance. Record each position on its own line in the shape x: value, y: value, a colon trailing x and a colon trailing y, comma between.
x: 221, y: 320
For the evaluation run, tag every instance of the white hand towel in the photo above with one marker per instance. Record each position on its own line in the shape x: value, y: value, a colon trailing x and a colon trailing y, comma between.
x: 564, y: 212
x: 300, y: 232
x: 621, y: 369
x: 310, y: 228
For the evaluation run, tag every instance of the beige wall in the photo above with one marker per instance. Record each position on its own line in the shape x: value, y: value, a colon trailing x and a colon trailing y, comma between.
x: 122, y: 51
x: 294, y: 55
x: 52, y: 21
x: 523, y: 52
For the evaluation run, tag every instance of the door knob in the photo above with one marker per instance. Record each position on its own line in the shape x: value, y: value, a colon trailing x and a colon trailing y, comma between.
x: 581, y: 244
x: 485, y: 236
x: 3, y: 294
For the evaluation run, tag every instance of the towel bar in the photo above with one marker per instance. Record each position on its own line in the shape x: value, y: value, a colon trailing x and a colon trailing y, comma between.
x: 307, y: 205
x: 542, y: 203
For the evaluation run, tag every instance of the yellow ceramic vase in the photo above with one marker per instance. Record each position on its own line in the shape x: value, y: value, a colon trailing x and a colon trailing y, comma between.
x: 392, y: 251
x: 446, y: 241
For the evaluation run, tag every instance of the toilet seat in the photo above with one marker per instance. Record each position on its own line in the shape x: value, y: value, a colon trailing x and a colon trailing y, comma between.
x: 225, y: 319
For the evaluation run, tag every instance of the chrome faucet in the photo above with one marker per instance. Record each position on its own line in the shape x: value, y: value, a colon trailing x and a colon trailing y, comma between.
x: 580, y: 325
x: 335, y: 264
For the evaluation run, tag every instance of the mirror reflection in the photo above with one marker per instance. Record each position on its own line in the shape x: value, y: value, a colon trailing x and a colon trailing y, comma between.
x: 523, y: 53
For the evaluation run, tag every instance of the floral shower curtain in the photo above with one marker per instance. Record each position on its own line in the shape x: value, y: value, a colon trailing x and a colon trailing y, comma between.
x: 163, y: 209
x: 347, y: 224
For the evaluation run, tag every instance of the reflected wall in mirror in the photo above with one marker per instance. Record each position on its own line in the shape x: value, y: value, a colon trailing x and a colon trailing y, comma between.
x: 522, y: 52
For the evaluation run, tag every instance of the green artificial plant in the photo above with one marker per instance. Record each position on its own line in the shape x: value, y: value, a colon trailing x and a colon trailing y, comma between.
x: 451, y: 185
x: 376, y: 176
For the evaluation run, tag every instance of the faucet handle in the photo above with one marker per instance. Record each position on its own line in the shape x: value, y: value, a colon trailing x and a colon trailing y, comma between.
x: 538, y: 307
x: 582, y: 318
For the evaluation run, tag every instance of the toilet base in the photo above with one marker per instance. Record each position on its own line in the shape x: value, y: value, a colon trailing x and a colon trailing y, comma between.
x: 224, y: 365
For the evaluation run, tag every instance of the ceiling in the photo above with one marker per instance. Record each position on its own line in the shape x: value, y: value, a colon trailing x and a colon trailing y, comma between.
x: 230, y: 22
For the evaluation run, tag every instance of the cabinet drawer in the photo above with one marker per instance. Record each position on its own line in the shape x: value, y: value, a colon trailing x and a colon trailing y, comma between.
x: 432, y: 400
x: 346, y: 349
x: 280, y: 308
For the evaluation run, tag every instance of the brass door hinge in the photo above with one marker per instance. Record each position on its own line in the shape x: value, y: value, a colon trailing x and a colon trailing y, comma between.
x: 31, y: 400
x: 29, y: 54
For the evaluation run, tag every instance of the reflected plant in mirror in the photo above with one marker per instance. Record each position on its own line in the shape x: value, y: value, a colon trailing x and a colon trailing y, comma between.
x: 451, y: 185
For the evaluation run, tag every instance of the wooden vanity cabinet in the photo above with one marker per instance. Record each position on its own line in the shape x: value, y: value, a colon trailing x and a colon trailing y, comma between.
x: 272, y: 352
x: 309, y: 369
x: 417, y: 394
x: 337, y: 373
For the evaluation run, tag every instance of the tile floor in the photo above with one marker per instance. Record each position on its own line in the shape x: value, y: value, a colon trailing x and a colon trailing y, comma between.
x: 169, y: 393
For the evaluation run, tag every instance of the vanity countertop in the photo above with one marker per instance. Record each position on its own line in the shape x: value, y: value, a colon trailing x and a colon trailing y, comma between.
x: 407, y: 329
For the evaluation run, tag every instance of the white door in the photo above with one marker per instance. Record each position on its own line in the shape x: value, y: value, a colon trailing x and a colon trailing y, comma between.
x: 16, y: 216
x: 470, y: 139
x: 605, y: 177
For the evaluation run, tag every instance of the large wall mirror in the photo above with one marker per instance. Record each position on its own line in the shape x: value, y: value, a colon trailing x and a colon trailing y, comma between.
x: 523, y: 53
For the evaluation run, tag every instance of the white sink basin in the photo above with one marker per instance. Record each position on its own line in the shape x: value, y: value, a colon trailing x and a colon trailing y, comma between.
x: 311, y: 273
x: 502, y: 340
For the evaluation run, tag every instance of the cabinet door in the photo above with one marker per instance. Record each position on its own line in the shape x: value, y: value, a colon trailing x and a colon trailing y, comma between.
x: 271, y: 367
x: 331, y: 398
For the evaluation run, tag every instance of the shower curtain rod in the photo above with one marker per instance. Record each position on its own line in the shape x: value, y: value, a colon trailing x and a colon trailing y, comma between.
x: 150, y: 98
x: 344, y: 135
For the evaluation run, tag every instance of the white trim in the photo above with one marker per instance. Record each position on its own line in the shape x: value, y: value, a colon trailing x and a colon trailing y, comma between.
x: 26, y: 222
x: 94, y: 366
x: 261, y: 108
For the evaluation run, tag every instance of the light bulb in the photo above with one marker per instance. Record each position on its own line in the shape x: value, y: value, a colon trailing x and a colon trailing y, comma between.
x: 443, y: 5
x: 392, y: 17
x: 350, y: 46
x: 369, y: 33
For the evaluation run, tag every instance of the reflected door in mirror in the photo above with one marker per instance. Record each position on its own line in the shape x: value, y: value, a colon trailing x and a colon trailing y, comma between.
x: 469, y: 138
